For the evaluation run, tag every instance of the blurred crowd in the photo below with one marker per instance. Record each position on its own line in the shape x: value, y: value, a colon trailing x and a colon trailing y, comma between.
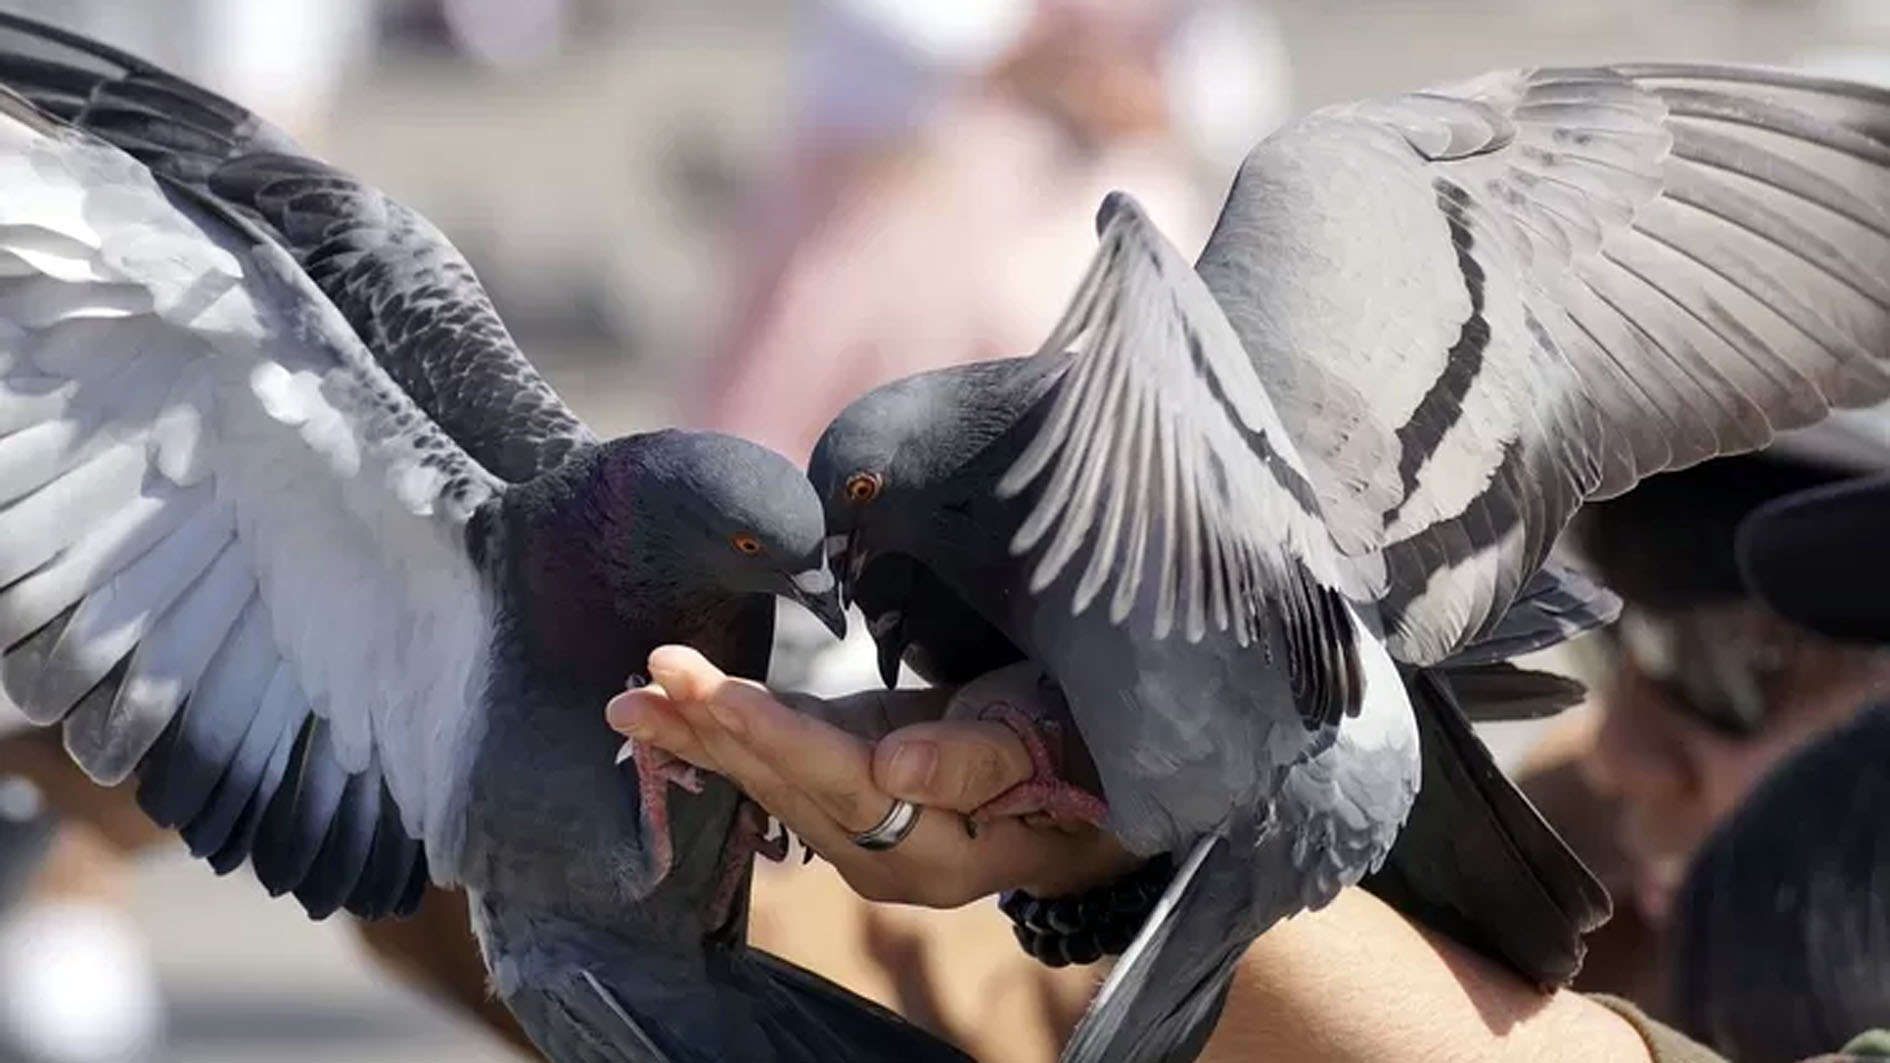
x: 928, y: 200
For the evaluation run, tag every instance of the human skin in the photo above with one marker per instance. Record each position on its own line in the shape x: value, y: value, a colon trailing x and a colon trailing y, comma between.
x: 1352, y: 982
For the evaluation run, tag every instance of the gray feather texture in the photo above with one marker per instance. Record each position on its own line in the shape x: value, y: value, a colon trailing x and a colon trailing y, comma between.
x: 293, y: 536
x: 1425, y: 329
x: 1457, y: 314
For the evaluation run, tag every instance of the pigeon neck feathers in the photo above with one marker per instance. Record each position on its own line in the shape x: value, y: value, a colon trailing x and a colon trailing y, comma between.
x: 600, y: 574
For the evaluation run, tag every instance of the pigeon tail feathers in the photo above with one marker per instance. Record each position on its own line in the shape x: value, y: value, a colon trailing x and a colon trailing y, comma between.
x: 1478, y: 863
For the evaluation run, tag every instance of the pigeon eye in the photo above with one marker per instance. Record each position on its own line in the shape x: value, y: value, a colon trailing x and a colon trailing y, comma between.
x: 862, y: 487
x: 747, y: 544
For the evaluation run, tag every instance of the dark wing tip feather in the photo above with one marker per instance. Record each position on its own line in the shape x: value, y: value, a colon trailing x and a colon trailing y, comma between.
x: 1117, y: 202
x: 1477, y: 862
x: 43, y: 34
x: 395, y: 863
x: 1322, y: 658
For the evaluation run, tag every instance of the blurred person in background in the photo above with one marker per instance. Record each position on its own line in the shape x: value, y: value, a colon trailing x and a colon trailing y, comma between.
x: 1699, y: 689
x: 1781, y: 932
x: 936, y: 202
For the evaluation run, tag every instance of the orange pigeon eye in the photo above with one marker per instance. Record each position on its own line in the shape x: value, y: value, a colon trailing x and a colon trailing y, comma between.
x: 862, y: 487
x: 747, y: 544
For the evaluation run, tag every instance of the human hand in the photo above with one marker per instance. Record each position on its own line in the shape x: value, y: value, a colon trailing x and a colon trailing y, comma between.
x: 827, y: 785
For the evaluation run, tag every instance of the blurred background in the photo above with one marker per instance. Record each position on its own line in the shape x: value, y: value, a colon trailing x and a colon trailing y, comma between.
x: 672, y: 201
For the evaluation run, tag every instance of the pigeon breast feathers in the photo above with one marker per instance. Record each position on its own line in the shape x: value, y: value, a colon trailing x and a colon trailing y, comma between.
x: 235, y: 552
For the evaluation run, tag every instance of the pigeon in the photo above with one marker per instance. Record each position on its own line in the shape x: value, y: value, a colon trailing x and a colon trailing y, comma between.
x: 928, y: 563
x: 295, y: 537
x: 1251, y: 514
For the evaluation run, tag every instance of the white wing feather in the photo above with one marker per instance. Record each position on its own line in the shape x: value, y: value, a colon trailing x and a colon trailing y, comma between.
x: 207, y: 491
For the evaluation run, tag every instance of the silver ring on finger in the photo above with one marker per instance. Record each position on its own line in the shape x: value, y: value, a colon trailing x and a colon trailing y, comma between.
x: 892, y: 828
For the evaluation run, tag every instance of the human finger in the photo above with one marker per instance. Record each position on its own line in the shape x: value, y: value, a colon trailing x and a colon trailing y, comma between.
x: 960, y: 766
x: 649, y: 715
x: 743, y: 724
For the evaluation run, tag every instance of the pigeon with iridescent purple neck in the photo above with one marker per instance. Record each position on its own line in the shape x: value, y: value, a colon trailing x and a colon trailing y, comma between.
x: 292, y: 533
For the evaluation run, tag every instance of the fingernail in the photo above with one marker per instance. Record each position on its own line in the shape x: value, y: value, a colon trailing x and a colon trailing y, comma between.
x: 910, y: 770
x: 730, y: 720
x: 621, y: 712
x: 627, y: 714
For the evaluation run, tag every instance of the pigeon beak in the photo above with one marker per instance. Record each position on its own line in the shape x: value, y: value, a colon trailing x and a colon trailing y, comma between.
x: 819, y: 594
x: 847, y: 560
x: 889, y: 634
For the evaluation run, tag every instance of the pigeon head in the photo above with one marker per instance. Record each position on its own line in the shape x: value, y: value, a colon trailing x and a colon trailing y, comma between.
x: 906, y: 455
x: 718, y: 511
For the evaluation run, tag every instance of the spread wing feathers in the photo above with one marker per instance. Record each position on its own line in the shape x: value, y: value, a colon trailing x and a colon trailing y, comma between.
x: 1478, y: 306
x: 397, y: 281
x: 1161, y: 448
x: 1557, y: 604
x: 232, y: 553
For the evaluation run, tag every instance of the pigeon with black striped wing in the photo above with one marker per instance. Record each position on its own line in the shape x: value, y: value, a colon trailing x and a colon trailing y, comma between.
x: 1229, y: 506
x: 291, y: 532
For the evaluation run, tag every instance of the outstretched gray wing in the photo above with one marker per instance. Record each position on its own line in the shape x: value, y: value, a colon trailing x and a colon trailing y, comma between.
x: 233, y: 553
x: 395, y: 279
x: 1470, y: 309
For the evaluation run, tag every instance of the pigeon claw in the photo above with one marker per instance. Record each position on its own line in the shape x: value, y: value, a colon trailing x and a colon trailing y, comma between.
x: 661, y: 765
x: 1044, y: 794
x: 774, y: 842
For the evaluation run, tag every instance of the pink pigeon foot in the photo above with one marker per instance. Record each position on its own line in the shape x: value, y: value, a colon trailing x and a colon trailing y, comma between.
x: 656, y: 772
x: 751, y: 838
x: 745, y: 842
x: 1043, y: 792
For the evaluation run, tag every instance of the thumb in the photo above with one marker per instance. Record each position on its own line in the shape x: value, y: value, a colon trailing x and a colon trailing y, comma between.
x: 688, y: 678
x: 685, y: 673
x: 951, y: 765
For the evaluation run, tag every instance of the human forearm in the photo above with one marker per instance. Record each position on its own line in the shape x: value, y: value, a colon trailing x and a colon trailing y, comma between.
x: 1356, y: 981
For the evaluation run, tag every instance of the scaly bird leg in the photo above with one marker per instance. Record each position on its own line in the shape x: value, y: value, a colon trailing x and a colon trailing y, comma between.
x: 1043, y: 792
x: 756, y: 833
x: 656, y: 772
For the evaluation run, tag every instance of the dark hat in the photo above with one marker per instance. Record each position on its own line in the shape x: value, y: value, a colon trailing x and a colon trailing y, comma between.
x: 1821, y: 558
x: 1673, y: 542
